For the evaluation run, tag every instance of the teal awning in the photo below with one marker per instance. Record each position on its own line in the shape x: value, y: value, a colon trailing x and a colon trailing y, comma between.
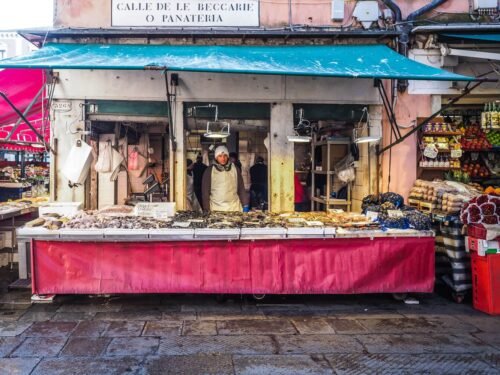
x: 352, y: 61
x: 481, y: 37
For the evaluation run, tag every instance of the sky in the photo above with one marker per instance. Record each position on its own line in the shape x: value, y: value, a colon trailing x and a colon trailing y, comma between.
x: 22, y: 14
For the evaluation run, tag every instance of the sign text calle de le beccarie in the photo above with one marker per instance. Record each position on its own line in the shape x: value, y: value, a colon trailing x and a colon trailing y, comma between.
x: 178, y: 13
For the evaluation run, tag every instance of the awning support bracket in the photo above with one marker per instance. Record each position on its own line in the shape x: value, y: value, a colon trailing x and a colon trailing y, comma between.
x: 466, y: 91
x: 388, y: 109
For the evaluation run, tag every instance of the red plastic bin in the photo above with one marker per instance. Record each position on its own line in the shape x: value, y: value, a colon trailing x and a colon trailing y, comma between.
x: 486, y: 283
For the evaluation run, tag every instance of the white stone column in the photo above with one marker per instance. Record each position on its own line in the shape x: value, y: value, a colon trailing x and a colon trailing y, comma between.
x: 281, y: 152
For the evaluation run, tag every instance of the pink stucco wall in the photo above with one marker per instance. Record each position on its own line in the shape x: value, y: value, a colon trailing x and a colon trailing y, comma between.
x: 403, y: 157
x: 273, y: 13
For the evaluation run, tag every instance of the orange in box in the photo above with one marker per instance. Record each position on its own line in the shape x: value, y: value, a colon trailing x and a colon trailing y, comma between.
x: 486, y: 283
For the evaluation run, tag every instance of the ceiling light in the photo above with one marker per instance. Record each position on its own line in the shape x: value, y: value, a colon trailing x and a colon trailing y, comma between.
x: 299, y: 138
x: 37, y: 145
x: 363, y: 132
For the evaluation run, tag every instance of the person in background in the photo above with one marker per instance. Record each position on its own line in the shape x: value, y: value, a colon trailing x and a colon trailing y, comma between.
x: 198, y: 170
x: 192, y: 201
x: 222, y: 185
x: 233, y: 158
x: 258, y: 187
x: 301, y: 202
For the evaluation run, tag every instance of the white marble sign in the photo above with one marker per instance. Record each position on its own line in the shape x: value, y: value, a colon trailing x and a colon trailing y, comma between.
x: 175, y: 13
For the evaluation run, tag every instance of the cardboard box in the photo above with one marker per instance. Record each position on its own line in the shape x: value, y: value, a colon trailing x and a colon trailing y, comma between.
x: 337, y: 153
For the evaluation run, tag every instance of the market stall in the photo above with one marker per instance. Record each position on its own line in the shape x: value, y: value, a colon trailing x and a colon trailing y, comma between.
x: 252, y: 253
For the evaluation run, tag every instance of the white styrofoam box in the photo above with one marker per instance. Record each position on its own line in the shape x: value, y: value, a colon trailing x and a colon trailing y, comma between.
x: 338, y: 10
x: 262, y: 233
x: 61, y: 208
x: 126, y: 234
x: 366, y: 11
x: 7, y: 242
x: 171, y: 234
x: 37, y: 232
x: 217, y: 234
x: 330, y: 232
x: 485, y: 4
x: 2, y: 240
x: 83, y: 234
x: 305, y: 232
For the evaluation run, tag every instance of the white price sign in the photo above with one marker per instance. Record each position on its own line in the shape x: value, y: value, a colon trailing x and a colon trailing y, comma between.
x: 456, y: 154
x: 157, y: 13
x: 158, y: 210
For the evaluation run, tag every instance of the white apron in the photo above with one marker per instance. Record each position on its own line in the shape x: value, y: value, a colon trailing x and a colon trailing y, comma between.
x: 224, y: 191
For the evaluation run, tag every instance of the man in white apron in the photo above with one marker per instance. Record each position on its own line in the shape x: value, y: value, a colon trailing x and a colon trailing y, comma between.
x: 222, y: 185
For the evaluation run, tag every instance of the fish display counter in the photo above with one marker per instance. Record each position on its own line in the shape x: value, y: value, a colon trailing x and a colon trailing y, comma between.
x: 116, y: 251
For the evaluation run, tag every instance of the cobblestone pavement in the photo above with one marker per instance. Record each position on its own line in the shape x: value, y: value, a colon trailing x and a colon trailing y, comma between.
x: 189, y: 334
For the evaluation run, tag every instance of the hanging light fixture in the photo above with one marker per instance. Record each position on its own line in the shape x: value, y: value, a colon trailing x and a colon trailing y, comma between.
x: 37, y: 145
x: 301, y: 131
x: 362, y: 133
x: 217, y: 129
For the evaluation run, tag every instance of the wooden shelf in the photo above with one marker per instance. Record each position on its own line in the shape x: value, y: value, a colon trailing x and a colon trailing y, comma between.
x: 333, y: 201
x: 442, y: 134
x: 439, y: 168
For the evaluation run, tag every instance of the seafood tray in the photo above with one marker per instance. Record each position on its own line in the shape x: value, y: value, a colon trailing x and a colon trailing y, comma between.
x: 305, y: 232
x: 81, y: 234
x: 37, y: 232
x: 262, y: 233
x: 217, y: 234
x: 126, y: 234
x: 173, y: 234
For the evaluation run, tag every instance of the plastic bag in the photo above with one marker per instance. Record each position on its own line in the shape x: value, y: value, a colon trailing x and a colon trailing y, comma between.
x: 133, y: 161
x: 347, y: 175
x: 105, y: 158
x: 77, y: 165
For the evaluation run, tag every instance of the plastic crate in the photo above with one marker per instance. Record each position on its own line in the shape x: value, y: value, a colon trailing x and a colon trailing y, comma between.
x: 482, y: 247
x: 477, y: 231
x: 486, y: 283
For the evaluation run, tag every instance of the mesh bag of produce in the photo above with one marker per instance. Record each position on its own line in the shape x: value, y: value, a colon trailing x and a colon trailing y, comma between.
x: 418, y: 220
x: 396, y: 199
x: 482, y: 209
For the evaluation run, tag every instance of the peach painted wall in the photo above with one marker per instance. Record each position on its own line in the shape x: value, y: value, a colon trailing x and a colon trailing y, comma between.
x: 403, y: 169
x: 273, y: 13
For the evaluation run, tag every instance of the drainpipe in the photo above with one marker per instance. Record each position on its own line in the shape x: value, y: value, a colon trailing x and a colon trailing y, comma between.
x: 404, y: 39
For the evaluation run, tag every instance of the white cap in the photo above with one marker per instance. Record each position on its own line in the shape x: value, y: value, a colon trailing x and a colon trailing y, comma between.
x: 221, y: 150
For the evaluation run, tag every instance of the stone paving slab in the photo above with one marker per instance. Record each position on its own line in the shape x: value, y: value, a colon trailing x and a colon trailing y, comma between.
x: 89, y: 308
x: 40, y: 347
x: 318, y: 344
x: 178, y: 316
x: 346, y: 326
x: 8, y: 344
x: 86, y: 366
x: 493, y: 360
x: 36, y: 316
x: 72, y: 316
x: 278, y: 365
x: 124, y: 329
x: 162, y: 328
x: 134, y: 346
x: 128, y: 315
x: 85, y: 346
x: 309, y: 326
x: 255, y: 327
x: 416, y: 325
x: 250, y: 345
x: 10, y: 315
x: 50, y: 329
x: 203, y: 328
x: 491, y: 338
x: 90, y: 328
x: 189, y: 365
x: 18, y: 366
x: 482, y: 321
x: 408, y: 364
x: 13, y: 328
x: 231, y: 316
x: 423, y: 343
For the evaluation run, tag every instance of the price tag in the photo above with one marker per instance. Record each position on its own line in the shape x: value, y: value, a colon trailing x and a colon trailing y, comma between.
x: 456, y: 154
x: 395, y: 213
x: 372, y: 215
x: 431, y: 151
x: 160, y: 210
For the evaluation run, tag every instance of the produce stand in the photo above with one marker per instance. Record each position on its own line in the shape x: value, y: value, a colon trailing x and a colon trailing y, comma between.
x: 197, y: 261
